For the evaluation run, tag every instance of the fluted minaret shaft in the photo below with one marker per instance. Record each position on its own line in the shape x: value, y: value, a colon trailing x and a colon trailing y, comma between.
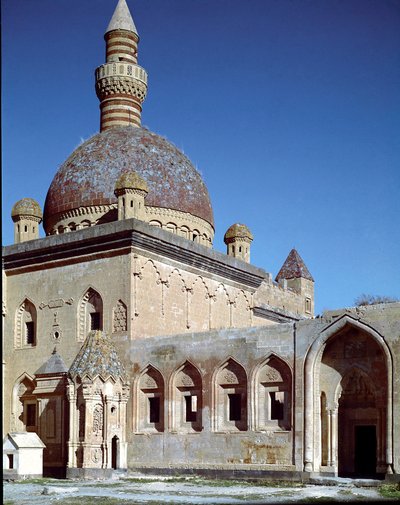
x: 121, y: 84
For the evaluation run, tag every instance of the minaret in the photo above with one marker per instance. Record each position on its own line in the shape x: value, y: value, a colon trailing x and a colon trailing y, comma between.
x: 121, y: 84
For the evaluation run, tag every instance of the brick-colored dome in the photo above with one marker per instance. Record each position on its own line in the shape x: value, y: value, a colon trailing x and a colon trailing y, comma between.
x: 26, y: 207
x: 88, y: 177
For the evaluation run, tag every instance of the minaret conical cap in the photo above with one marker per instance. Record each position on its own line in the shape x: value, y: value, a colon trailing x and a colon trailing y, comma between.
x: 122, y: 19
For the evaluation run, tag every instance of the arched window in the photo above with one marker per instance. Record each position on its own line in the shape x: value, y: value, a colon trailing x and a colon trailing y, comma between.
x: 90, y: 313
x: 230, y: 397
x: 150, y: 401
x: 272, y: 395
x: 186, y: 399
x: 26, y: 322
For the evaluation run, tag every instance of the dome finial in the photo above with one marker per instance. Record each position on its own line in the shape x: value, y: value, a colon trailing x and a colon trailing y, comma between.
x: 122, y: 19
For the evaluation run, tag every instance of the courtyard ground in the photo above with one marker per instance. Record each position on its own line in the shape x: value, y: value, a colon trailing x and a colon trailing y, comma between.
x: 137, y: 490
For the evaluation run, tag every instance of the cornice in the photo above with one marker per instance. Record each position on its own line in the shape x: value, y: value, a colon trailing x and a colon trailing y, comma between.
x: 276, y: 315
x: 121, y: 237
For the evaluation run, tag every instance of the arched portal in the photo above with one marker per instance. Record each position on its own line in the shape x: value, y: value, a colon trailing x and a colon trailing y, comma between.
x: 348, y: 401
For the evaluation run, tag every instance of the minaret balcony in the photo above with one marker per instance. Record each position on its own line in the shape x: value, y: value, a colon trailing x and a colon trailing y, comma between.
x: 120, y: 69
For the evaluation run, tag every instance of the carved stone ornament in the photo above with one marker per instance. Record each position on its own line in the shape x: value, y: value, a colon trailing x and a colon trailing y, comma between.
x: 229, y: 377
x: 55, y: 304
x: 355, y: 349
x: 270, y: 374
x: 96, y: 455
x: 149, y: 382
x: 98, y: 420
x: 185, y: 380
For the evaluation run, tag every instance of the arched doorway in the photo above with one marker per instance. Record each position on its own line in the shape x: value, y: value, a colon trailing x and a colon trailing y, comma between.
x: 348, y: 402
x: 114, y: 452
x: 360, y: 422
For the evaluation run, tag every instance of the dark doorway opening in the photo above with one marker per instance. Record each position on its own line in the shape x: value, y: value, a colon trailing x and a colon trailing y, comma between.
x: 365, y: 451
x: 114, y: 449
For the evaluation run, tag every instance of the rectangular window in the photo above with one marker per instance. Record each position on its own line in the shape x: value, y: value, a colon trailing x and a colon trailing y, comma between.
x: 277, y: 400
x: 235, y: 401
x: 154, y: 408
x: 31, y: 414
x: 10, y: 461
x: 30, y: 332
x: 95, y: 321
x: 191, y: 408
x: 308, y: 304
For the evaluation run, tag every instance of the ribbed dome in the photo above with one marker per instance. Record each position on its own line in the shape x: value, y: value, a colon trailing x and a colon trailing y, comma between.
x: 237, y: 230
x: 88, y: 176
x: 26, y: 207
x: 131, y: 180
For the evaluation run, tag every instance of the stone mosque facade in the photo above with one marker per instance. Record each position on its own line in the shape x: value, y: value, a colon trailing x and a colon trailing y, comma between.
x: 130, y: 344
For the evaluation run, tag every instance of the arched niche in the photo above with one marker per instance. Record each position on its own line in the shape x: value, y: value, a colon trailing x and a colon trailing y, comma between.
x: 150, y: 399
x: 230, y: 397
x: 186, y: 399
x: 272, y: 395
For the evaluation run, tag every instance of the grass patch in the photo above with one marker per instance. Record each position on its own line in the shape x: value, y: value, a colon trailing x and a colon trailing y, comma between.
x: 390, y: 490
x: 88, y: 500
x: 9, y: 502
x: 43, y: 481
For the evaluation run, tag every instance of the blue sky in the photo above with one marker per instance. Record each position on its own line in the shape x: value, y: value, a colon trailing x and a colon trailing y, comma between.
x: 290, y: 109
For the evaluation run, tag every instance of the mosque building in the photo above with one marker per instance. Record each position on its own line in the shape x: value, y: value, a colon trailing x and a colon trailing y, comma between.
x: 129, y: 343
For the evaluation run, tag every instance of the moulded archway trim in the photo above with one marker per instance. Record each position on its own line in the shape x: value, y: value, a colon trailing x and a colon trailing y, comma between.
x: 172, y: 392
x: 15, y: 396
x: 214, y: 389
x: 136, y: 389
x: 254, y: 382
x: 314, y: 356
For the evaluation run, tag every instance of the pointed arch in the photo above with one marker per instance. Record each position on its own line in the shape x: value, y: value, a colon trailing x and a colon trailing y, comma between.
x: 150, y: 398
x: 312, y: 449
x: 186, y: 398
x: 90, y: 313
x: 229, y: 401
x: 25, y: 334
x: 220, y: 308
x: 23, y: 404
x: 271, y: 393
x: 199, y: 300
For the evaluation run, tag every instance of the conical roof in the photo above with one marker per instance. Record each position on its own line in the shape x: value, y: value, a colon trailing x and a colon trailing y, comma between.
x: 294, y: 268
x: 122, y: 19
x: 97, y: 357
x: 54, y: 365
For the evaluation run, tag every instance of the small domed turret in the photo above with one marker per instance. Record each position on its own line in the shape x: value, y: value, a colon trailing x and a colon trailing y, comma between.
x: 27, y: 215
x: 237, y: 239
x: 131, y: 190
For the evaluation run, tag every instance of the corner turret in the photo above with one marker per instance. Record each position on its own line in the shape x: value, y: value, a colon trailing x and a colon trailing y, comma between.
x: 297, y: 277
x: 131, y: 190
x: 27, y: 215
x: 238, y: 239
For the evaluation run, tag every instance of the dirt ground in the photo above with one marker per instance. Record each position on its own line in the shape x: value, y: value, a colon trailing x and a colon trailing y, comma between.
x: 135, y: 490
